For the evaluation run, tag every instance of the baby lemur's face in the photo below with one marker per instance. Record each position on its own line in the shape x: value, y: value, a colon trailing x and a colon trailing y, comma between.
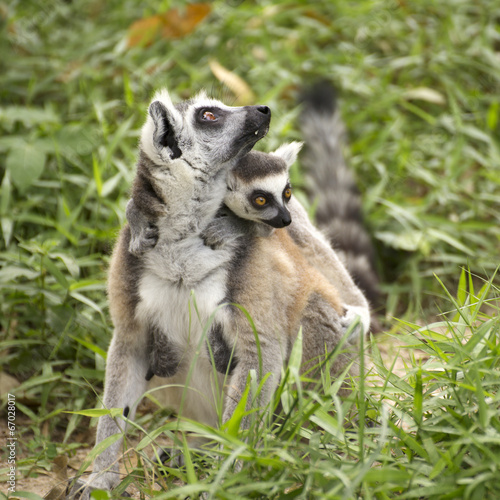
x: 259, y: 189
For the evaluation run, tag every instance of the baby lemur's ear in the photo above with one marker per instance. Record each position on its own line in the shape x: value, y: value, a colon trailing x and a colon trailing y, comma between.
x: 232, y: 181
x: 289, y: 152
x: 159, y: 134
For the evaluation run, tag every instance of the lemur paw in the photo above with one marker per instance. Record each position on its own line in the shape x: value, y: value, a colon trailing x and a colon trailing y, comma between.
x: 143, y: 232
x: 213, y: 239
x: 353, y: 314
x: 143, y: 240
x: 217, y: 233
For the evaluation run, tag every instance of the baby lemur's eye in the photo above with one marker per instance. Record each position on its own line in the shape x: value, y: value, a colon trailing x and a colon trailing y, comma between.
x: 209, y: 116
x: 260, y: 200
x: 287, y: 193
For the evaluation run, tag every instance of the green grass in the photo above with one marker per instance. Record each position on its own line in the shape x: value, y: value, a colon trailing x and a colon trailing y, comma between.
x: 432, y: 433
x: 419, y: 84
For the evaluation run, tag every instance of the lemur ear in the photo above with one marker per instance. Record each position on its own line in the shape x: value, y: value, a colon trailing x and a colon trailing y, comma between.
x: 159, y: 134
x: 232, y: 181
x: 164, y: 133
x: 289, y: 152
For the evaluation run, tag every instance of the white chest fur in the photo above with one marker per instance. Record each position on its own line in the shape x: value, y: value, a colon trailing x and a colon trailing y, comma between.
x: 181, y: 287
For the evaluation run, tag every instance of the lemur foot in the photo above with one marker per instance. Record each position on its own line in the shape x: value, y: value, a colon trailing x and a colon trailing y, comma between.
x: 173, y: 458
x: 82, y: 489
x: 353, y: 314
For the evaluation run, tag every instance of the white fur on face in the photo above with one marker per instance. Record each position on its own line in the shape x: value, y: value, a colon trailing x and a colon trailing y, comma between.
x: 238, y: 200
x: 204, y: 146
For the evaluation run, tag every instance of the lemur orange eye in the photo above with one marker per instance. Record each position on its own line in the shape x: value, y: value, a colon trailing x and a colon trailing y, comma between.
x: 287, y: 193
x: 260, y: 200
x: 209, y: 116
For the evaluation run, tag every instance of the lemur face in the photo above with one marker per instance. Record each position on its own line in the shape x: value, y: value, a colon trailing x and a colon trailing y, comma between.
x: 203, y: 133
x: 264, y: 200
x: 258, y: 186
x: 227, y: 133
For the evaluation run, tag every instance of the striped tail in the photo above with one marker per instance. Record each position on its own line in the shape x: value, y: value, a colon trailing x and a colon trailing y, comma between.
x: 331, y: 185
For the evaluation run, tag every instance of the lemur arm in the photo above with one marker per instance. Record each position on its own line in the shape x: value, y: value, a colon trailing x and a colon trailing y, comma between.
x: 223, y: 229
x: 143, y: 230
x: 142, y: 212
x: 321, y: 255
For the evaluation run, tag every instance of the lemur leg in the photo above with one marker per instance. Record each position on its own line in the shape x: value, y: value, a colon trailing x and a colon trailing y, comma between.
x: 320, y: 254
x: 247, y: 355
x: 323, y: 330
x: 125, y: 383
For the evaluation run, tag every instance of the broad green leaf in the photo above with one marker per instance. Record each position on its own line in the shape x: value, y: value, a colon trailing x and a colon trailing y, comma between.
x: 25, y: 165
x: 447, y: 238
x: 98, y: 412
x: 56, y: 272
x: 27, y: 495
x: 462, y: 288
x: 97, y: 174
x: 13, y: 273
x: 233, y: 424
x: 92, y: 347
x: 418, y: 398
x: 411, y: 240
x: 28, y: 116
x: 6, y: 194
x: 99, y: 448
x: 188, y: 463
x: 100, y: 495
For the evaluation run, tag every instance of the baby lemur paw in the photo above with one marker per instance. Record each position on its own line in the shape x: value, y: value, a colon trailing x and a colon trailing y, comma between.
x: 359, y: 315
x: 214, y: 235
x: 223, y: 230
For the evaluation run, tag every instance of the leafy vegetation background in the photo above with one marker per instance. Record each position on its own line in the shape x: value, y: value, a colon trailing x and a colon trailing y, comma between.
x: 419, y: 85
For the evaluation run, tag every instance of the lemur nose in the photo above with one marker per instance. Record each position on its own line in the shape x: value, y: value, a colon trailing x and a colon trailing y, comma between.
x: 264, y: 109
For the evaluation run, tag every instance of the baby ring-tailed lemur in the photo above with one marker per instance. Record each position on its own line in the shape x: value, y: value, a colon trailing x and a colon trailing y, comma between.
x: 272, y: 279
x: 185, y: 152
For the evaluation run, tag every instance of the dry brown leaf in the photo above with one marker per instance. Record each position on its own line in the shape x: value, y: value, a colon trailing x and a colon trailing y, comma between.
x: 233, y: 82
x: 178, y: 25
x: 172, y: 24
x: 144, y: 31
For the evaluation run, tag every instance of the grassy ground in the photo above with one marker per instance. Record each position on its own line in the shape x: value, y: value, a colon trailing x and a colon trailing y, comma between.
x: 419, y: 85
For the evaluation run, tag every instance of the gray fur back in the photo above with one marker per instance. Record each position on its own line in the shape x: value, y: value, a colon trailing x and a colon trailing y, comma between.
x: 331, y: 183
